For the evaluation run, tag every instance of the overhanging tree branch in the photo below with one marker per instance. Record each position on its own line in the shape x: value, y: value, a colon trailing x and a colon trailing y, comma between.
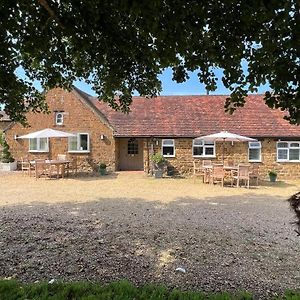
x: 51, y: 12
x: 123, y: 46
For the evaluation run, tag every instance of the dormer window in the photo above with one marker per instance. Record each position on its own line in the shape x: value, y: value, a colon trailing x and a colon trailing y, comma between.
x: 59, y: 118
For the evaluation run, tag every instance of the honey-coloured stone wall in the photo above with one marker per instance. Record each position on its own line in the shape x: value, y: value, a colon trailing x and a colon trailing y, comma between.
x: 236, y: 152
x: 79, y: 117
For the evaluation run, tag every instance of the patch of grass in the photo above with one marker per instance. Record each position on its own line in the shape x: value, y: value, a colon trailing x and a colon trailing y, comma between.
x: 122, y: 290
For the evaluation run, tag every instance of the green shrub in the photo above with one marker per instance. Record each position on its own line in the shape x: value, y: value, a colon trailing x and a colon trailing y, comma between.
x: 158, y: 158
x: 102, y: 166
x: 272, y: 173
x: 6, y: 156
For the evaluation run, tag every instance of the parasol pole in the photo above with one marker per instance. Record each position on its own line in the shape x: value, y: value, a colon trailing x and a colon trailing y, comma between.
x: 223, y: 151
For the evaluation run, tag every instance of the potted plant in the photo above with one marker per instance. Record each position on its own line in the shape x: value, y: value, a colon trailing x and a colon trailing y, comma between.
x: 8, y: 163
x: 102, y: 169
x: 272, y: 176
x: 159, y: 164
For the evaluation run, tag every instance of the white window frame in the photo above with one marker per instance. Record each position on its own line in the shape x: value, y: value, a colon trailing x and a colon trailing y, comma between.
x: 288, y: 151
x: 38, y: 143
x: 162, y: 147
x: 254, y: 145
x: 61, y: 114
x: 204, y: 146
x: 78, y: 140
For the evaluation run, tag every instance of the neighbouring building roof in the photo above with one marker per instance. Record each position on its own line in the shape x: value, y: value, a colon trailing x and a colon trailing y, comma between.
x: 4, y: 117
x: 193, y: 116
x: 5, y: 121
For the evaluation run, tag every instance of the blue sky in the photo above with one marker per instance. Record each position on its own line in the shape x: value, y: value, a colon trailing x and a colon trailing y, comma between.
x: 190, y: 87
x: 169, y: 87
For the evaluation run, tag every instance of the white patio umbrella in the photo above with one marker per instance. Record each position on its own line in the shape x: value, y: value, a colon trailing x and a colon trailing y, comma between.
x: 225, y: 136
x: 46, y: 133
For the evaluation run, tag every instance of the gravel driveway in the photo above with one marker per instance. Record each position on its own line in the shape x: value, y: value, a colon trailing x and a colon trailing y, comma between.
x: 233, y: 242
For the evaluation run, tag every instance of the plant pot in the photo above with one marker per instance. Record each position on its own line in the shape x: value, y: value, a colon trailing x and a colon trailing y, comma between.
x: 102, y: 171
x: 158, y: 173
x: 12, y: 166
x: 272, y: 177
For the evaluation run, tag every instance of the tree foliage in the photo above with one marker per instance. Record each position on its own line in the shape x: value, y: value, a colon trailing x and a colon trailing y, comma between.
x: 122, y: 46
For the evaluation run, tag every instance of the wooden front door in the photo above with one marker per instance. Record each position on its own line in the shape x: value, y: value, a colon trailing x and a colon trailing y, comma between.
x: 131, y: 154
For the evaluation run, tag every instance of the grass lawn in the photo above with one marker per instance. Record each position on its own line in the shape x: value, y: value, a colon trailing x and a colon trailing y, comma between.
x: 122, y: 290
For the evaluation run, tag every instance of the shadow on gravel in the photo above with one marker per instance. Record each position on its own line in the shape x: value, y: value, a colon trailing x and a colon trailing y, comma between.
x: 223, y: 243
x: 277, y: 184
x: 94, y: 176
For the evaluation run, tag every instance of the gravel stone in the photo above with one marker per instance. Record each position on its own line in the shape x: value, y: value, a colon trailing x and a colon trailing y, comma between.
x: 238, y: 242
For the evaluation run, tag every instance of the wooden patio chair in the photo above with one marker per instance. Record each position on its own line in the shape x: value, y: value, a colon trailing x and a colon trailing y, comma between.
x: 241, y: 174
x: 207, y: 167
x: 198, y: 171
x: 72, y: 166
x: 42, y: 169
x: 217, y: 174
x: 229, y: 163
x: 206, y: 162
x: 253, y: 174
x: 26, y: 166
x: 64, y: 167
x: 61, y: 156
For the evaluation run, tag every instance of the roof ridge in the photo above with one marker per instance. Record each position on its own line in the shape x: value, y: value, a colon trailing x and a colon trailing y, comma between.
x: 87, y: 99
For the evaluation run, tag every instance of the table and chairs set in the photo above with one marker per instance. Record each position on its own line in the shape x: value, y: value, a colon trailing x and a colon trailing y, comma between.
x: 49, y: 168
x: 236, y: 174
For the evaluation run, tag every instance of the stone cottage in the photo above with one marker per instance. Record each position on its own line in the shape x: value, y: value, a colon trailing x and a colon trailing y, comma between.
x: 166, y: 124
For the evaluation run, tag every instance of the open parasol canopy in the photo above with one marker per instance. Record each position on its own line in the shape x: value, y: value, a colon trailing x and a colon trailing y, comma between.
x: 225, y: 136
x: 46, y: 133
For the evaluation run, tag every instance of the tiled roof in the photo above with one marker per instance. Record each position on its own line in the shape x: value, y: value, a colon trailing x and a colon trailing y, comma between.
x: 193, y: 116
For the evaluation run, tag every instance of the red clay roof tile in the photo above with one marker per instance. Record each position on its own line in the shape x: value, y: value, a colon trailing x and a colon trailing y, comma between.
x: 193, y: 116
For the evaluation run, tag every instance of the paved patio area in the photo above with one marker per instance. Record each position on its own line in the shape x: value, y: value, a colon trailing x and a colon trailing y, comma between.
x: 128, y: 225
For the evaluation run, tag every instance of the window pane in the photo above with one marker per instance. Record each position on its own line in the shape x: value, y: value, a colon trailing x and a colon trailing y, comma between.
x: 209, y: 151
x: 59, y: 118
x: 168, y: 142
x: 83, y: 142
x: 73, y: 143
x: 198, y: 151
x: 282, y: 145
x: 294, y: 145
x: 168, y: 150
x: 254, y: 154
x: 43, y: 144
x: 282, y: 154
x: 254, y: 145
x: 209, y: 143
x: 294, y: 154
x: 198, y: 142
x: 132, y: 147
x: 33, y: 144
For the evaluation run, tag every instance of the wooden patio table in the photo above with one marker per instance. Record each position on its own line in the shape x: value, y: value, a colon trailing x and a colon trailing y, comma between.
x: 230, y: 168
x: 59, y: 164
x: 227, y: 170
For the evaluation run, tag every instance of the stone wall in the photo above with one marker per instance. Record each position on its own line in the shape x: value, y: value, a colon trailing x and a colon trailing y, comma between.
x: 78, y: 118
x: 237, y: 152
